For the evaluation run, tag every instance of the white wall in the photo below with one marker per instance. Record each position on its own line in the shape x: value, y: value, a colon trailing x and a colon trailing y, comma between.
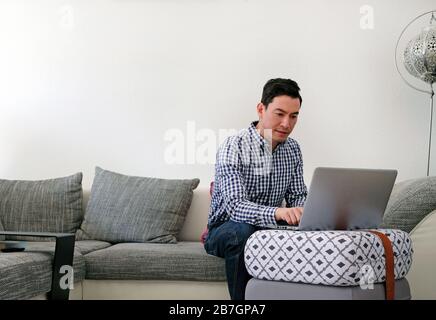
x: 99, y: 82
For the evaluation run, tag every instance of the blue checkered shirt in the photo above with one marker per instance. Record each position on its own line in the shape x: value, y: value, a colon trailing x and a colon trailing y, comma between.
x: 251, y: 182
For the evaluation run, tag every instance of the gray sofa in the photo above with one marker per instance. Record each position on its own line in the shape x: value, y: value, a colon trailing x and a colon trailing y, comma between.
x: 124, y: 270
x: 183, y: 270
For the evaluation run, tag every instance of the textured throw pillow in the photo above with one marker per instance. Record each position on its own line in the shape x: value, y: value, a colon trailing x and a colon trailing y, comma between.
x: 1, y: 229
x: 125, y: 208
x: 409, y: 203
x: 53, y: 205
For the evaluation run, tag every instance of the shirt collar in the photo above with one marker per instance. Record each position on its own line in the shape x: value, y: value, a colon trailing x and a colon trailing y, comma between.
x: 255, y: 133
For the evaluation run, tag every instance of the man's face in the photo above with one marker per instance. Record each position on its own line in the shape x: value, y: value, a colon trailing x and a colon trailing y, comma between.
x: 280, y: 116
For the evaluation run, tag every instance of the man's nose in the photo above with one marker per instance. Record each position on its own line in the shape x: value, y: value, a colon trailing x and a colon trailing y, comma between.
x: 286, y: 123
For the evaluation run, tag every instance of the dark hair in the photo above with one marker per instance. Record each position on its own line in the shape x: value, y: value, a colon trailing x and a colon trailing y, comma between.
x: 280, y: 87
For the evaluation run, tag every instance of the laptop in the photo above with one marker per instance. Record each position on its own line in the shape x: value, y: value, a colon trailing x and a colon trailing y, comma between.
x: 345, y: 199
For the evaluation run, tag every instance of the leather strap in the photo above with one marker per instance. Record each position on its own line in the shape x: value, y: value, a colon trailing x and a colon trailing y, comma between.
x: 389, y: 260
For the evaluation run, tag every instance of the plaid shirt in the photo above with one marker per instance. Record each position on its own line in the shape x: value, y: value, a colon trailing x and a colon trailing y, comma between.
x: 251, y: 182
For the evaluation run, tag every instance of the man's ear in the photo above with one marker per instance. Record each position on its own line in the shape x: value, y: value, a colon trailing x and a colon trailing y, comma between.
x: 260, y: 109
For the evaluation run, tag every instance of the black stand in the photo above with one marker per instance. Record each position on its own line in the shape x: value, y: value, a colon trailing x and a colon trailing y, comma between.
x: 64, y: 253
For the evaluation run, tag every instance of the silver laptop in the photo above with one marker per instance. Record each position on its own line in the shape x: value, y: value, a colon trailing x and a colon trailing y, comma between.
x: 345, y: 199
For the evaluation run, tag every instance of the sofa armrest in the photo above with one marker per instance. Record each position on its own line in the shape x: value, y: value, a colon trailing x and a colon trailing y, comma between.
x: 421, y: 275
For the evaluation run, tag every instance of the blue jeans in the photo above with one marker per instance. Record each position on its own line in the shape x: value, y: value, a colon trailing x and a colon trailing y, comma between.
x: 227, y: 240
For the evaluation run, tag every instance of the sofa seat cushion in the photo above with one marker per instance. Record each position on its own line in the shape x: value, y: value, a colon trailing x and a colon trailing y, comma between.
x: 48, y: 249
x: 152, y: 261
x: 87, y: 246
x: 338, y: 258
x: 26, y: 274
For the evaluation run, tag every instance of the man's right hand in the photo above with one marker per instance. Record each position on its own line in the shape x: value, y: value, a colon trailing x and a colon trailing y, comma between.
x: 291, y: 215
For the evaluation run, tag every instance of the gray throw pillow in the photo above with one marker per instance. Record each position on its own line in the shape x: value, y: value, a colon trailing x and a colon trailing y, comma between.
x: 125, y: 208
x: 1, y: 229
x: 53, y: 205
x: 410, y: 202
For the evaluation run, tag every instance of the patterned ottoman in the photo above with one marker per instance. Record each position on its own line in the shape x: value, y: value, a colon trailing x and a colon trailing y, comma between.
x: 326, y: 258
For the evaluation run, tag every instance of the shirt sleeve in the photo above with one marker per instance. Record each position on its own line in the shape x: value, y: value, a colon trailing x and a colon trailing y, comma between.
x: 228, y: 176
x: 296, y: 193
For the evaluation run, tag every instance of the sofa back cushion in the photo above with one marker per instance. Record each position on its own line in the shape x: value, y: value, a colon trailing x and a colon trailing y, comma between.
x: 53, y: 205
x: 1, y: 229
x: 196, y: 218
x: 410, y: 202
x: 125, y: 208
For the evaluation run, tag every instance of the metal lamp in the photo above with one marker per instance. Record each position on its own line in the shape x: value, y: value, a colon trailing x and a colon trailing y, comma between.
x: 419, y: 58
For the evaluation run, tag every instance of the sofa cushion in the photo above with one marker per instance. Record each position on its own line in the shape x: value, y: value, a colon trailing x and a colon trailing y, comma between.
x: 87, y: 246
x: 136, y: 209
x: 1, y: 229
x: 150, y: 261
x: 53, y: 205
x: 48, y: 249
x: 26, y: 274
x: 410, y: 202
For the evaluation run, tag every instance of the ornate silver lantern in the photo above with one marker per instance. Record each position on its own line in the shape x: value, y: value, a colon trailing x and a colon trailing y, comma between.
x: 420, y: 61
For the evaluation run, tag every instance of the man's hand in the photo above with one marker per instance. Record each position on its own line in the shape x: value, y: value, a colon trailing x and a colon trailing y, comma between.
x: 291, y: 215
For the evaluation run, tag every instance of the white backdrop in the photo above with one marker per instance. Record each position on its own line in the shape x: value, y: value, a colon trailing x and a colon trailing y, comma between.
x: 101, y: 82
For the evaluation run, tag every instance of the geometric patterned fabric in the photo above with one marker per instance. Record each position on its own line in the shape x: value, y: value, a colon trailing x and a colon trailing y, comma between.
x: 335, y: 258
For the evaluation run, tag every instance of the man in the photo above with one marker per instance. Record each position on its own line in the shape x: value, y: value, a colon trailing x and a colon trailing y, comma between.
x: 255, y: 171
